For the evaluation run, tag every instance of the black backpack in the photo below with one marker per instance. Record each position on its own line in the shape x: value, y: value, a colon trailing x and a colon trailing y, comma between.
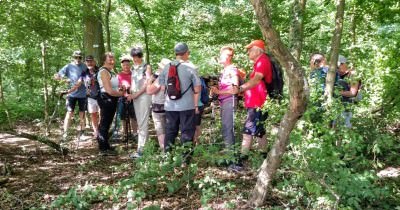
x: 204, y: 94
x: 275, y: 88
x: 174, y: 91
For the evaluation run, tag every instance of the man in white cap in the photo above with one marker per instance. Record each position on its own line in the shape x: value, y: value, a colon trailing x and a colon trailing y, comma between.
x: 351, y: 86
x: 75, y: 72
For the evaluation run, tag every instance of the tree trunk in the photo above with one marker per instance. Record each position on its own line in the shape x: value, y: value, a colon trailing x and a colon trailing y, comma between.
x: 45, y: 88
x: 146, y: 38
x: 296, y: 29
x: 353, y: 30
x: 1, y: 87
x: 93, y: 32
x: 107, y: 25
x: 298, y: 93
x: 335, y: 46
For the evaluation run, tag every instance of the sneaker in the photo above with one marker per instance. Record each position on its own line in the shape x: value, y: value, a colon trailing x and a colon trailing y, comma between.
x: 235, y: 168
x: 135, y: 155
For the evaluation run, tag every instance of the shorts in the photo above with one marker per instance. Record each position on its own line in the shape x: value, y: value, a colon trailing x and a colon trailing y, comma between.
x: 126, y: 108
x: 92, y: 105
x: 254, y: 124
x: 197, y: 117
x: 71, y: 101
x: 159, y: 122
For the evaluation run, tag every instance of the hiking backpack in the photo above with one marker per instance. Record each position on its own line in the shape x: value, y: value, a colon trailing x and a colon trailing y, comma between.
x: 204, y: 94
x: 95, y: 86
x: 275, y: 88
x: 174, y: 91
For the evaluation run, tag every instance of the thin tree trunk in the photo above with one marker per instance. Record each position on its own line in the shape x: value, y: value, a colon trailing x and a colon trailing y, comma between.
x: 93, y: 32
x: 45, y: 88
x: 298, y: 93
x: 107, y: 25
x: 146, y: 38
x: 353, y: 30
x: 296, y: 29
x: 1, y: 87
x: 40, y: 139
x: 335, y: 47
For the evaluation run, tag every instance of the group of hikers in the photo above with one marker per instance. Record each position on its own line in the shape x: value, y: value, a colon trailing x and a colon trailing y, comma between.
x: 172, y: 95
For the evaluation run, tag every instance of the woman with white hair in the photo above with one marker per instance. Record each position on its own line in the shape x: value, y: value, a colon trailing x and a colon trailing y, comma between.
x: 158, y: 99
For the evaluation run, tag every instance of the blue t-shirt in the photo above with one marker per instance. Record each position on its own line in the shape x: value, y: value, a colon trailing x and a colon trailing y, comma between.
x: 75, y: 72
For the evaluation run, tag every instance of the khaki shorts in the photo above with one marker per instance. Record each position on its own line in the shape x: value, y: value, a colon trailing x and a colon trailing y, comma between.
x: 159, y: 122
x: 93, y: 106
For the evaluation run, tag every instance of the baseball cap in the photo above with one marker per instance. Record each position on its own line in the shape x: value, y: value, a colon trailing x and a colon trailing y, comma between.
x: 256, y: 43
x: 89, y: 58
x: 125, y: 58
x: 77, y: 53
x: 164, y: 62
x: 181, y: 48
x: 341, y: 60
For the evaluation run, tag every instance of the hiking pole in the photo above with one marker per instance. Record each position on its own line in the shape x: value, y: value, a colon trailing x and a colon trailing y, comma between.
x: 127, y: 124
x: 56, y: 108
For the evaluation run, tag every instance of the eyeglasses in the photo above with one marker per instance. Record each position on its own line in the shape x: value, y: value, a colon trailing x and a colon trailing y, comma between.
x: 78, y: 57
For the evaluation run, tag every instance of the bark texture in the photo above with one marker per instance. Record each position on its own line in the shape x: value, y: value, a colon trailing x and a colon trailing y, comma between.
x: 335, y: 47
x: 296, y: 29
x: 93, y: 32
x: 146, y: 38
x: 298, y: 93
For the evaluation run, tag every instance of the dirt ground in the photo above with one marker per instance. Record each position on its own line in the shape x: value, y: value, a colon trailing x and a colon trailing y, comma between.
x: 33, y: 174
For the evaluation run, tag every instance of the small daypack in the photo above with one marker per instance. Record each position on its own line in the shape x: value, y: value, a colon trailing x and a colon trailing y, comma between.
x: 275, y: 88
x: 205, y: 94
x: 174, y: 91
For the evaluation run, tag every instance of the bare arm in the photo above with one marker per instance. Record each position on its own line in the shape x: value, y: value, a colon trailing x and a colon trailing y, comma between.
x: 105, y: 78
x: 252, y: 82
x: 352, y: 92
x: 153, y: 88
x: 196, y: 95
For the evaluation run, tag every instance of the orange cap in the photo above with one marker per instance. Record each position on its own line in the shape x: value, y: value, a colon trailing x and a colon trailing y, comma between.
x: 256, y: 43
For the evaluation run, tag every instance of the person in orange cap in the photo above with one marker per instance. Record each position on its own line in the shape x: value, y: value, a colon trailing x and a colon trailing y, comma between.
x: 255, y: 94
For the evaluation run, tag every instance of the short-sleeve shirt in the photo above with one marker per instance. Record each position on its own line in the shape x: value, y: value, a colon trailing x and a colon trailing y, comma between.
x: 124, y: 79
x: 228, y: 78
x: 90, y: 82
x: 257, y: 95
x: 188, y: 78
x: 138, y: 77
x: 346, y: 81
x: 75, y: 72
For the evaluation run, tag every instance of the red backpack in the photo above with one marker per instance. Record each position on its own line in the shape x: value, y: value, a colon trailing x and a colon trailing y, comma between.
x: 173, y: 84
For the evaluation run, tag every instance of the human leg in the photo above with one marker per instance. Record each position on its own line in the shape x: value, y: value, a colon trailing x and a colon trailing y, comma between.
x: 197, y: 122
x: 108, y: 108
x: 82, y: 102
x: 171, y: 128
x: 227, y: 121
x: 159, y: 125
x: 142, y: 112
x: 93, y: 109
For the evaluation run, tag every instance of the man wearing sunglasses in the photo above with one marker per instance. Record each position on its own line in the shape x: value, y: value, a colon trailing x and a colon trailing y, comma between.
x: 74, y: 73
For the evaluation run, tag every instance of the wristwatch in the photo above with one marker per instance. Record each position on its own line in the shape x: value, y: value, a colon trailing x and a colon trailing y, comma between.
x: 240, y: 89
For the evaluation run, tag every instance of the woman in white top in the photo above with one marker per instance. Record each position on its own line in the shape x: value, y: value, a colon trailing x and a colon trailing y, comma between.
x: 141, y: 100
x: 107, y: 101
x: 158, y: 99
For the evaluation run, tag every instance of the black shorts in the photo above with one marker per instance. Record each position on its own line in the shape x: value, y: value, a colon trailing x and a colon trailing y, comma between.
x: 71, y: 101
x: 254, y: 124
x: 197, y: 117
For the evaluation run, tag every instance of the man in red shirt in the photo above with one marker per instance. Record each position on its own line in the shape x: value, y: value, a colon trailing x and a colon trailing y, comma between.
x: 255, y: 94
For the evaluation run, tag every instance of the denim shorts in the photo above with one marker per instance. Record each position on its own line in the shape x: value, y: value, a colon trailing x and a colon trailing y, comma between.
x: 254, y: 124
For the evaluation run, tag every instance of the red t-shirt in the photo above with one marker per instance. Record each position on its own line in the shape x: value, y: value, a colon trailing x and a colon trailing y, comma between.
x: 256, y: 96
x: 124, y: 79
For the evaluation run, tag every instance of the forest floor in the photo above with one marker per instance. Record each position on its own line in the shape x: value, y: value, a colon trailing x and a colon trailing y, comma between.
x: 33, y: 174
